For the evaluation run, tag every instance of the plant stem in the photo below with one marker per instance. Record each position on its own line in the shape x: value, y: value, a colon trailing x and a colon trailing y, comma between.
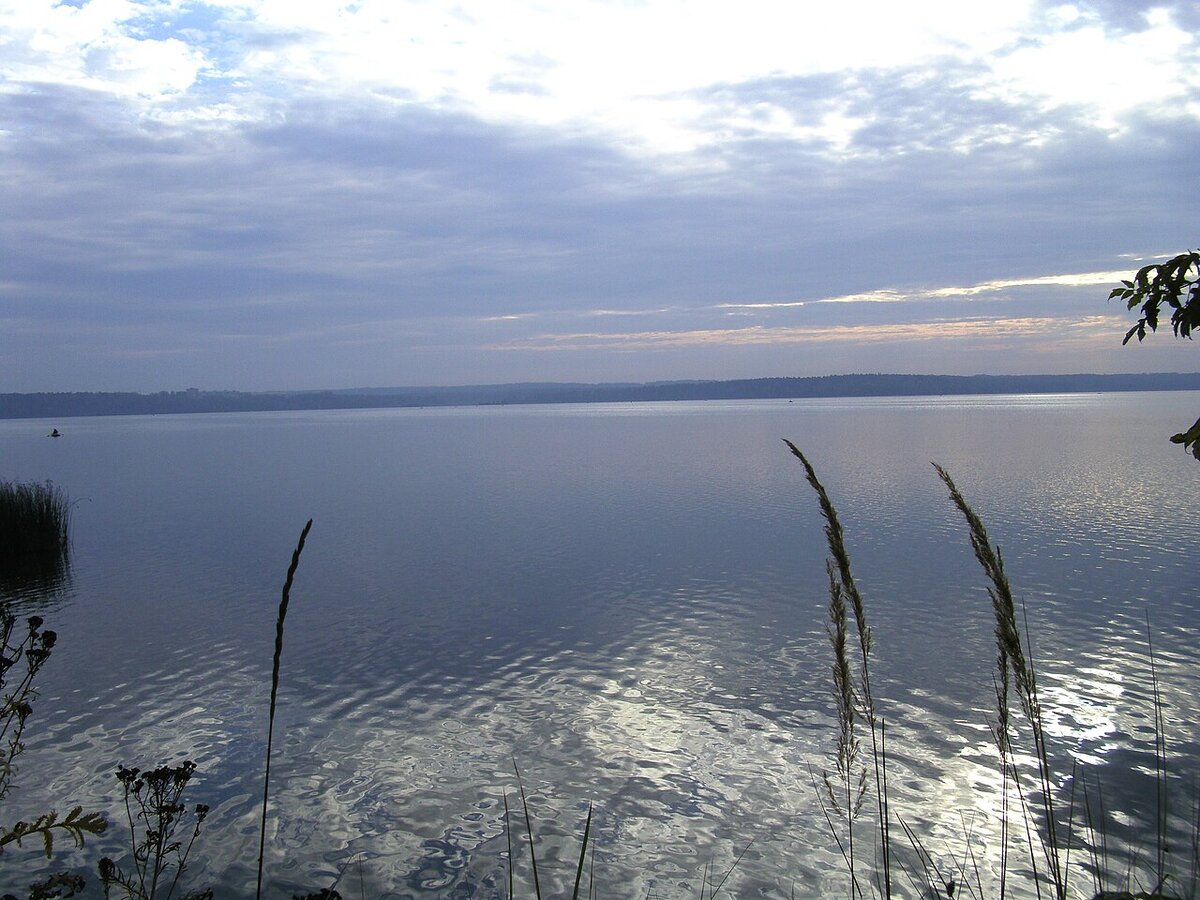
x: 283, y: 608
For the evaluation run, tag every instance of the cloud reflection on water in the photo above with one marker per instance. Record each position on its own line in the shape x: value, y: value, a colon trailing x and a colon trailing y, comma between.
x: 629, y: 599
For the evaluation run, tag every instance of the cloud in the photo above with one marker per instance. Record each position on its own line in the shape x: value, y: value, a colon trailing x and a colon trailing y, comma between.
x: 97, y: 46
x: 892, y: 295
x: 593, y: 66
x: 1098, y: 328
x: 1122, y: 16
x: 267, y: 184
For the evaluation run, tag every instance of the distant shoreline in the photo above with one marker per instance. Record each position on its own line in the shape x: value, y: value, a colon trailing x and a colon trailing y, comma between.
x: 67, y: 405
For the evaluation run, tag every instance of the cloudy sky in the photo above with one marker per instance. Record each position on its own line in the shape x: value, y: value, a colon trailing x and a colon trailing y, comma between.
x: 273, y: 194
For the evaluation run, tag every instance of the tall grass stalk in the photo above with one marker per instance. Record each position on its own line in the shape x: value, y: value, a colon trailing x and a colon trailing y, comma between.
x: 1028, y: 791
x: 857, y: 694
x: 508, y: 838
x: 1160, y: 767
x: 283, y: 608
x: 537, y: 886
x: 1015, y: 667
x: 1098, y: 833
x: 851, y: 775
x: 587, y: 830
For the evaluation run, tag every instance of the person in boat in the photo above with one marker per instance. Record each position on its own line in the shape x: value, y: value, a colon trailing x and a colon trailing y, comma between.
x: 55, y: 433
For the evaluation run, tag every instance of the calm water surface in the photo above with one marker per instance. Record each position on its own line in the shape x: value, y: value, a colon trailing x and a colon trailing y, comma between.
x: 628, y: 599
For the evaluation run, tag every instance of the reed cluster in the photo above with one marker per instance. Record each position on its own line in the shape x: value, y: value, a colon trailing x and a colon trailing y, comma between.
x: 1035, y: 819
x: 35, y: 523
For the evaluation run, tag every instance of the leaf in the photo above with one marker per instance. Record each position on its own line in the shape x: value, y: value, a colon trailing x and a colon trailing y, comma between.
x: 76, y: 823
x: 1189, y: 439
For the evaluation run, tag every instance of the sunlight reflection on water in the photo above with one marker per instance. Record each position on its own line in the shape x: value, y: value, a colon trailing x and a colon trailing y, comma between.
x: 629, y: 600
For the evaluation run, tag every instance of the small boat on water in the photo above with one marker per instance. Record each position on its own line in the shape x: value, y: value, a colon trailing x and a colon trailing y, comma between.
x: 55, y: 433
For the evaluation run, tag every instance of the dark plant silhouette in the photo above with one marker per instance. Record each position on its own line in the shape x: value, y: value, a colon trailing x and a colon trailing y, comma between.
x: 76, y: 823
x: 23, y: 652
x: 60, y: 884
x: 1174, y: 283
x: 34, y: 536
x: 154, y: 809
x: 22, y: 655
x: 583, y: 849
x: 282, y: 615
x: 1030, y: 797
x: 852, y: 695
x: 1014, y: 668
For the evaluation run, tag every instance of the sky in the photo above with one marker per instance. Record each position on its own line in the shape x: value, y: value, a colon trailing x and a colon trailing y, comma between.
x: 285, y: 194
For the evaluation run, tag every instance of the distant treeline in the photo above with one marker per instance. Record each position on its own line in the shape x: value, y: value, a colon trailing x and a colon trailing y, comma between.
x: 58, y: 405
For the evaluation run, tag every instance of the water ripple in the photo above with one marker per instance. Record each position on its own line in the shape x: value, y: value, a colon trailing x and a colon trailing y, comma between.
x: 630, y: 605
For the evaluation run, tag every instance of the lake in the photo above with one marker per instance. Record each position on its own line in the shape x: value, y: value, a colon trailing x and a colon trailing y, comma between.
x: 630, y: 601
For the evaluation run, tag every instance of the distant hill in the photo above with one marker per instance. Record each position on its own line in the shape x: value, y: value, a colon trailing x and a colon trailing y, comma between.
x: 63, y: 405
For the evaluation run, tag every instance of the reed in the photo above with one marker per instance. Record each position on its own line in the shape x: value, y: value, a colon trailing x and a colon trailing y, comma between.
x: 1030, y: 801
x: 724, y: 878
x: 1160, y: 767
x: 283, y: 609
x: 537, y: 886
x: 1014, y: 664
x: 852, y: 695
x: 583, y: 848
x: 587, y: 830
x: 35, y: 520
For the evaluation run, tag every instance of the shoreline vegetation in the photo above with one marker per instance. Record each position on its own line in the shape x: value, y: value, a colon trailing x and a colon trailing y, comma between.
x: 1046, y: 810
x: 1053, y: 824
x: 71, y: 404
x: 35, y: 542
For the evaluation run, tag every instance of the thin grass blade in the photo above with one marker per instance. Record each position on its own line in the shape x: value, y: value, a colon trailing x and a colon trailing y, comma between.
x: 283, y: 608
x: 537, y: 887
x: 587, y: 829
x: 508, y: 837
